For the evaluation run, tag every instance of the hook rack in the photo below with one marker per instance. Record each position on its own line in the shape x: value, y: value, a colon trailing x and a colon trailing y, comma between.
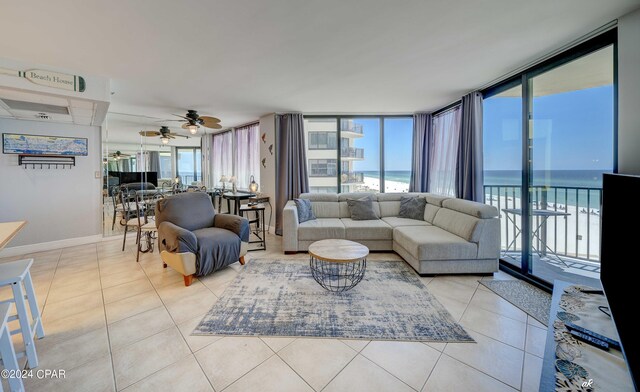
x: 27, y: 160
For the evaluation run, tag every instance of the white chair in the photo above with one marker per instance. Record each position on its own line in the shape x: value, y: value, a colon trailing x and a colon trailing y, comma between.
x: 7, y: 352
x: 17, y: 274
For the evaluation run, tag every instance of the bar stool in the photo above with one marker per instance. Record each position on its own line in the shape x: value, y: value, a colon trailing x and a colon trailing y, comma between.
x: 17, y: 274
x: 8, y: 353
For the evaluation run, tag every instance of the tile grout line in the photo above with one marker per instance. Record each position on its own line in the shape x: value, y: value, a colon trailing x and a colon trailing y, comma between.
x: 341, y: 370
x: 248, y: 371
x: 106, y: 322
x: 292, y: 369
x: 524, y: 355
x: 432, y: 369
x: 175, y: 324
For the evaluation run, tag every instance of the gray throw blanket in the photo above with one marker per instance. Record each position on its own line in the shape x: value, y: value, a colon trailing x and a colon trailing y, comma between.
x: 215, y: 247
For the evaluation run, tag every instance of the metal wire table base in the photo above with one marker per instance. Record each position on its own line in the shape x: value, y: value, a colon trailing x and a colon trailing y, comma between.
x: 337, y: 276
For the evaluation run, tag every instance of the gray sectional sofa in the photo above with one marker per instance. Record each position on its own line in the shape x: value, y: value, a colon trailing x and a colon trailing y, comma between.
x: 456, y: 236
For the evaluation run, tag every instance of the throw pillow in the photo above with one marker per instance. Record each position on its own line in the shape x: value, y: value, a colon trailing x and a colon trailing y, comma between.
x: 362, y: 209
x: 305, y: 212
x: 412, y: 207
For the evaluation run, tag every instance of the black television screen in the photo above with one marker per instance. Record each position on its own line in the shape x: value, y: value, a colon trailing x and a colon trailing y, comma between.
x: 618, y: 258
x: 130, y: 177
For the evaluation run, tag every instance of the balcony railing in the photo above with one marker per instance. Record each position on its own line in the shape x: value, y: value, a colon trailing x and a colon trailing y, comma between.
x: 352, y: 178
x: 576, y: 235
x: 352, y: 152
x: 349, y: 126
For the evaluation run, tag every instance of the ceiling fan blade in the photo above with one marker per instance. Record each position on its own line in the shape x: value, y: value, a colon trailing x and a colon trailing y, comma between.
x: 210, y: 118
x: 214, y: 126
x: 209, y: 122
x: 149, y: 133
x: 177, y: 115
x: 178, y: 135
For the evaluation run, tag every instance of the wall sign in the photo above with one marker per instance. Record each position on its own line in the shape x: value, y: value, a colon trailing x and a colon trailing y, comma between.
x: 49, y: 78
x: 13, y: 143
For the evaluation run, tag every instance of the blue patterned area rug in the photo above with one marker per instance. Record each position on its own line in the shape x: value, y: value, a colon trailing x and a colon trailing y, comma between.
x: 281, y: 298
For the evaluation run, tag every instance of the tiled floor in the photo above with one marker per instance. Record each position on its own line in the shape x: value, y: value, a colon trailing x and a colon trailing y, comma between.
x: 114, y: 324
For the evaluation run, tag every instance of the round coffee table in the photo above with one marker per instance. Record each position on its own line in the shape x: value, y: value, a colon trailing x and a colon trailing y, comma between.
x: 338, y: 265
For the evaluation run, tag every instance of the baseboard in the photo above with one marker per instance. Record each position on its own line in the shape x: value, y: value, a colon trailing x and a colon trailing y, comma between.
x: 45, y: 246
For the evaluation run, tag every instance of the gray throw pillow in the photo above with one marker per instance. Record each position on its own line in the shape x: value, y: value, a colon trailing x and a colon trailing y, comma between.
x: 305, y: 212
x: 412, y: 207
x: 362, y: 209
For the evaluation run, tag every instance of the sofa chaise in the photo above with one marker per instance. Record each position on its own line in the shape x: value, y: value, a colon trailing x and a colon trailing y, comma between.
x: 455, y: 236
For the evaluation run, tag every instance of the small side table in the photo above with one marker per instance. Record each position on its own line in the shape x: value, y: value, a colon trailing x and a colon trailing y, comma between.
x: 260, y: 226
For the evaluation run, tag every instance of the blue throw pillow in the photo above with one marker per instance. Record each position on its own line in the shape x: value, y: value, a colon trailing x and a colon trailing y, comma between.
x: 305, y: 212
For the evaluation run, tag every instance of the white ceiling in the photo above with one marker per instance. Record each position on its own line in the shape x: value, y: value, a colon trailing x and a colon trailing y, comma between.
x: 240, y: 59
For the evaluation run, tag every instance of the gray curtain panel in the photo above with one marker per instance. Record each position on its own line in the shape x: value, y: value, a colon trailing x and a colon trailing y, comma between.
x: 422, y: 125
x: 469, y: 179
x: 125, y: 165
x: 154, y: 162
x: 291, y: 162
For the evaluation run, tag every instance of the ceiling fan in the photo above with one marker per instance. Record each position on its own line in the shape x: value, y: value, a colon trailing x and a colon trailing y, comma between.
x: 192, y: 121
x: 118, y: 155
x: 164, y: 133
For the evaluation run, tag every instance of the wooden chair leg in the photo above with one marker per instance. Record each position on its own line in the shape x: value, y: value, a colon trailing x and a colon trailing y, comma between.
x: 188, y: 279
x: 124, y: 240
x: 241, y: 260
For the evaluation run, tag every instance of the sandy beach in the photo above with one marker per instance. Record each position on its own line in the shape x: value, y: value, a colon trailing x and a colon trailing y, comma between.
x: 373, y: 185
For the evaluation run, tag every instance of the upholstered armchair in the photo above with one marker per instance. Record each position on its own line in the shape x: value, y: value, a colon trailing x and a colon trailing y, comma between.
x: 194, y: 240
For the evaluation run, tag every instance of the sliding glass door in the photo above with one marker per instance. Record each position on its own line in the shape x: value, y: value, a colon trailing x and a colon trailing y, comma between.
x: 571, y: 135
x: 502, y: 140
x: 548, y: 137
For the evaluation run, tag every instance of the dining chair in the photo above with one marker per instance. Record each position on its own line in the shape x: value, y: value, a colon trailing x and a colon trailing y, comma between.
x: 114, y: 192
x: 131, y: 212
x: 146, y: 223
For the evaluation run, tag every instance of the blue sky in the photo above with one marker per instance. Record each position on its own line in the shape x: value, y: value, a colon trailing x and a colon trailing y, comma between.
x: 572, y: 130
x: 397, y: 143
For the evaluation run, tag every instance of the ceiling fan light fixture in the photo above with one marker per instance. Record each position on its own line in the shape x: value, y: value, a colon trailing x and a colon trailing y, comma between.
x: 193, y: 129
x: 165, y: 140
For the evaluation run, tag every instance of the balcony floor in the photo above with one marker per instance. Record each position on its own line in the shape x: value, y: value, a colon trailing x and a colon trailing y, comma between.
x: 549, y: 269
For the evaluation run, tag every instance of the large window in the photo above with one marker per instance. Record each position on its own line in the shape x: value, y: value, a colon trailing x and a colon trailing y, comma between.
x: 247, y: 162
x: 165, y: 165
x: 323, y: 167
x: 323, y: 140
x: 188, y: 164
x: 545, y: 173
x: 373, y: 153
x: 398, y: 146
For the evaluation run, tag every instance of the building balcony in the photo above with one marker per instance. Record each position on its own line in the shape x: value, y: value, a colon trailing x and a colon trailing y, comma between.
x: 352, y: 178
x: 350, y: 130
x: 351, y: 153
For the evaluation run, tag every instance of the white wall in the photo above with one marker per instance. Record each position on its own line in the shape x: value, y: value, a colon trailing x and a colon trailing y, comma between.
x: 629, y: 93
x: 268, y: 173
x: 59, y: 204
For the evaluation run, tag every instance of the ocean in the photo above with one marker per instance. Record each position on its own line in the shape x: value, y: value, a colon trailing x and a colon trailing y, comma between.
x: 554, y: 178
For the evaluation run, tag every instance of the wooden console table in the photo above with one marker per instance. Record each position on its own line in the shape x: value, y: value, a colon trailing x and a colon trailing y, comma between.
x: 8, y: 230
